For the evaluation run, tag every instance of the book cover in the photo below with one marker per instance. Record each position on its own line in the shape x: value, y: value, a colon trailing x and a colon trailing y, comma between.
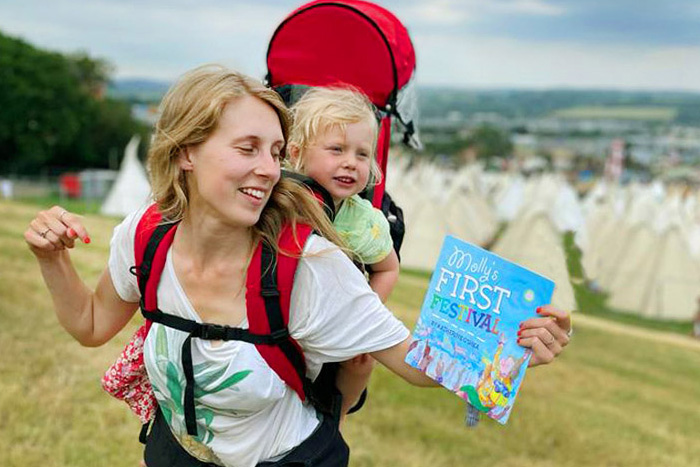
x: 466, y: 334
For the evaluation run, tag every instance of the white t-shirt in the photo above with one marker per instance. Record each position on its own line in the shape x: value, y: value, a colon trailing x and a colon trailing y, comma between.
x: 245, y: 413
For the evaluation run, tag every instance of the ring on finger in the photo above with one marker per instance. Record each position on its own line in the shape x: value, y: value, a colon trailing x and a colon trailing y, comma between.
x: 63, y: 213
x: 43, y: 234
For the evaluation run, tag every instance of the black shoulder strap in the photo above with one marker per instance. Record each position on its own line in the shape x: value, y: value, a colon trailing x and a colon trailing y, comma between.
x: 271, y: 295
x: 322, y: 393
x: 313, y: 185
x: 143, y: 271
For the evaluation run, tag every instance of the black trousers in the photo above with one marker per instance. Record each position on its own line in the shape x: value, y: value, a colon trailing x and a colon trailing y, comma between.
x: 324, y: 448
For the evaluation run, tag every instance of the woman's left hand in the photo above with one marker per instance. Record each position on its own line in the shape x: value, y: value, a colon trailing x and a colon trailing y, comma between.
x: 547, y: 335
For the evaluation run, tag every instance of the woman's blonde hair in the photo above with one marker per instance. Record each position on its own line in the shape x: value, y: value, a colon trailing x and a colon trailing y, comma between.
x: 189, y: 114
x: 321, y: 109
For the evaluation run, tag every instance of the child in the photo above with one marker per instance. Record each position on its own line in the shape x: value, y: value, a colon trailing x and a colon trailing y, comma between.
x: 333, y: 141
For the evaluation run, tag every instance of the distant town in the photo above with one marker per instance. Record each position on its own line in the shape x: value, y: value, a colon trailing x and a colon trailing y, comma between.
x: 562, y: 130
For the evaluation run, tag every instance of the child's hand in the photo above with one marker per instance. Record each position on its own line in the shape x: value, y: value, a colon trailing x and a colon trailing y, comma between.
x: 353, y: 376
x: 359, y: 366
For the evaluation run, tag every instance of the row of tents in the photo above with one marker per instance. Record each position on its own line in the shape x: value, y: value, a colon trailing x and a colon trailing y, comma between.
x: 513, y: 217
x: 640, y: 244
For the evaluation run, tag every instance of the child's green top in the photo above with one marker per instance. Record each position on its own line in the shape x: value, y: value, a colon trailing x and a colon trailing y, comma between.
x: 364, y: 229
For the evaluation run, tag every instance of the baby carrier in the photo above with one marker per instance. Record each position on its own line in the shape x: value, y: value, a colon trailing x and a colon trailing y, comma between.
x: 357, y: 43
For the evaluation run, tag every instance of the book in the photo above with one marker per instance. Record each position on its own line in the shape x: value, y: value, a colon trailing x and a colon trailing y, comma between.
x: 466, y: 335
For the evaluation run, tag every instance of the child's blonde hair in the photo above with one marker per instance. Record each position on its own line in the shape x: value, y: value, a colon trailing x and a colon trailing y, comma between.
x: 321, y: 109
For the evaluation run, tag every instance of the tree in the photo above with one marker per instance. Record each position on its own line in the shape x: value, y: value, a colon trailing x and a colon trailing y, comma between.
x: 52, y: 113
x: 92, y: 74
x: 490, y: 141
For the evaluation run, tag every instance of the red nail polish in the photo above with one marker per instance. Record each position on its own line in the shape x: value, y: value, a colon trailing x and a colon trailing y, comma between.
x: 539, y: 309
x: 71, y: 232
x: 87, y: 240
x: 519, y: 332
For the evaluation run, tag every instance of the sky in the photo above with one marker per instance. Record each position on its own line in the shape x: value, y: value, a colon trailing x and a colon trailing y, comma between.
x: 540, y: 44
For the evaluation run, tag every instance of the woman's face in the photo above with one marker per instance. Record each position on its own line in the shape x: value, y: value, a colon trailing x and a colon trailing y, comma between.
x: 233, y: 172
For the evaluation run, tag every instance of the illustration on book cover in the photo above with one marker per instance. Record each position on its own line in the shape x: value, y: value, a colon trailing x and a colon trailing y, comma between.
x: 466, y: 334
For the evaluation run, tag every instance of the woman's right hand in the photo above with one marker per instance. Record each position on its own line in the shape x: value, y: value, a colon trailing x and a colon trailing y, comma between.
x: 53, y: 231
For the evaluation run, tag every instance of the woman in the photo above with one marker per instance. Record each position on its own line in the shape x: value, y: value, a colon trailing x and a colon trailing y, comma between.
x: 214, y: 164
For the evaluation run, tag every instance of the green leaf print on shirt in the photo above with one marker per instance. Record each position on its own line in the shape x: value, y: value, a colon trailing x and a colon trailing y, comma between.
x: 205, y: 379
x: 205, y: 375
x: 174, y: 384
x: 161, y: 343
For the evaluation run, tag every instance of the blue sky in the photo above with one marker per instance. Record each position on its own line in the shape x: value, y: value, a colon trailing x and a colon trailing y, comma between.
x: 611, y: 44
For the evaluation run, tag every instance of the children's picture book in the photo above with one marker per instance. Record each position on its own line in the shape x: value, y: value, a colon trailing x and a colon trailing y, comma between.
x: 466, y: 334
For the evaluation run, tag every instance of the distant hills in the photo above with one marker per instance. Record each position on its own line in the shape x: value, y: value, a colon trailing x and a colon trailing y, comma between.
x: 681, y: 108
x: 138, y: 90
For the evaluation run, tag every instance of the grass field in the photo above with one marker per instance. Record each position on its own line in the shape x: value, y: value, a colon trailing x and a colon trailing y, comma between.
x: 611, y: 400
x: 663, y: 114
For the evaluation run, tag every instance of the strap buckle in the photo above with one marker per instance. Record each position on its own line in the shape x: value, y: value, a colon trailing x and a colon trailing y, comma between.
x: 271, y: 292
x: 212, y: 332
x: 280, y: 335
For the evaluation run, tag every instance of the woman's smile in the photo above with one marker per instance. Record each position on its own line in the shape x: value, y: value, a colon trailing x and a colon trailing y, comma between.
x: 256, y: 196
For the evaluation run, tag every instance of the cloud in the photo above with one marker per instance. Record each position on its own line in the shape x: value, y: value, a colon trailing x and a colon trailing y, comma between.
x: 461, y: 13
x: 599, y: 43
x: 155, y: 39
x: 529, y: 7
x: 674, y: 22
x: 493, y: 63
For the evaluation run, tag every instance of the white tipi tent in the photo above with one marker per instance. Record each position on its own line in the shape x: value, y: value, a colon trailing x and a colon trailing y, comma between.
x: 658, y: 277
x: 131, y: 189
x: 532, y: 241
x: 664, y: 284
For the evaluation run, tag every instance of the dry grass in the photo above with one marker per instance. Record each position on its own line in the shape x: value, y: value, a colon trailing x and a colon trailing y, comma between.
x: 610, y: 400
x: 52, y: 409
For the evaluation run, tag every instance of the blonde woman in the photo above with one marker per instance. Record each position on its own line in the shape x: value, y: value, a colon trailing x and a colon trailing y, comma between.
x: 215, y: 169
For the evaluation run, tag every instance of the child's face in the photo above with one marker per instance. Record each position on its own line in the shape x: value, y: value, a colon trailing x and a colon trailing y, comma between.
x: 340, y: 161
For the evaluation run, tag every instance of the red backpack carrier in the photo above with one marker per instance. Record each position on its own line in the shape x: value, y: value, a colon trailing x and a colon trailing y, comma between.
x: 326, y: 43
